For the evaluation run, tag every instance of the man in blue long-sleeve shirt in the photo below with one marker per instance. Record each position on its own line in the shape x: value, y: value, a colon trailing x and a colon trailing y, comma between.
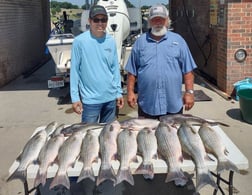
x: 160, y: 61
x: 95, y: 82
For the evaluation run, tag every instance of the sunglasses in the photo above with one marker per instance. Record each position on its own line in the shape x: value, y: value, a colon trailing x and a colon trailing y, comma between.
x: 102, y: 20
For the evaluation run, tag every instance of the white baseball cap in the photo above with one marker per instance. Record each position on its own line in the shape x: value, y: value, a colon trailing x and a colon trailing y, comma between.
x: 158, y: 11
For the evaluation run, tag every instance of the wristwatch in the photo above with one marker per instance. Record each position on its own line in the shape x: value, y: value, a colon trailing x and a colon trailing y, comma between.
x: 190, y: 91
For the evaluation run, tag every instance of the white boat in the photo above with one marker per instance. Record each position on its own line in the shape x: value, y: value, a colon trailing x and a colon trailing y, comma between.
x: 59, y: 46
x: 121, y: 26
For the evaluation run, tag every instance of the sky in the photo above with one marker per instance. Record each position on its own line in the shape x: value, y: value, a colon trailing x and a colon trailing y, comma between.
x: 134, y: 2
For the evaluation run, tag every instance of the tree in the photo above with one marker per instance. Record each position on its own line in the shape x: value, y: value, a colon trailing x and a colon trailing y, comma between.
x: 58, y: 9
x: 65, y: 5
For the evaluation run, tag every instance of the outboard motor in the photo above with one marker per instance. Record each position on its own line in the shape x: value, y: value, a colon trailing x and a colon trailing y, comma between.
x: 118, y: 21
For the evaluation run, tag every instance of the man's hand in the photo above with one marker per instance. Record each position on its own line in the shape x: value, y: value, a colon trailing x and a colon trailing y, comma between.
x: 131, y: 99
x: 120, y: 102
x: 188, y: 100
x: 77, y: 107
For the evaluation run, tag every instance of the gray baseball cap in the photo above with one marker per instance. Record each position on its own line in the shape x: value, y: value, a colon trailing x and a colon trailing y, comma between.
x: 97, y: 10
x: 158, y: 11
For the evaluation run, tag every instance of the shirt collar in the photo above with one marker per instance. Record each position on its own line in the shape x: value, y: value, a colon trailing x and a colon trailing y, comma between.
x: 151, y: 39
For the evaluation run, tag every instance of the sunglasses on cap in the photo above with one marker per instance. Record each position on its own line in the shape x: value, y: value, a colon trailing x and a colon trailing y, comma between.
x: 102, y: 20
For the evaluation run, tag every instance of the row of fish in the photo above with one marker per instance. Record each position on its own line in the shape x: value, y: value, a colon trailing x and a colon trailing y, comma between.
x: 123, y: 141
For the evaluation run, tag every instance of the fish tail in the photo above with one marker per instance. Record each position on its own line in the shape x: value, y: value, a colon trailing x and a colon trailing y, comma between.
x: 226, y: 165
x: 18, y: 174
x: 105, y: 174
x: 203, y: 179
x: 177, y: 176
x: 124, y: 175
x: 40, y: 178
x: 224, y: 124
x: 86, y: 173
x: 147, y: 170
x: 60, y: 179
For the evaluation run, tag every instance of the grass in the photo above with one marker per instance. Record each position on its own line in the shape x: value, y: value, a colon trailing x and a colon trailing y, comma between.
x: 72, y: 14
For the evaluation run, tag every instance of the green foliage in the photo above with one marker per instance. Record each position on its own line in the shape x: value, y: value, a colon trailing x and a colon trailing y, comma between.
x: 53, y: 12
x: 145, y: 7
x: 65, y: 5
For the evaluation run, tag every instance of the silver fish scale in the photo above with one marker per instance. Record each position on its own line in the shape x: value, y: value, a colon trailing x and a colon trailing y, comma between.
x: 108, y: 149
x: 90, y: 148
x: 139, y: 123
x: 191, y: 142
x: 70, y: 150
x: 50, y: 128
x: 32, y: 149
x: 108, y: 145
x: 193, y: 145
x: 168, y: 144
x: 47, y: 156
x: 214, y: 145
x: 147, y: 144
x: 211, y: 140
x: 127, y: 147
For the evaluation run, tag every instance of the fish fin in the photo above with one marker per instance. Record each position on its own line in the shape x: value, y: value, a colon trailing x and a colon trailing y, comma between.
x: 60, y: 179
x: 209, y: 158
x: 36, y: 162
x: 213, y: 123
x: 134, y: 159
x: 40, y: 178
x: 86, y: 173
x: 174, y: 125
x: 223, y: 124
x: 187, y: 115
x: 155, y: 156
x: 111, y: 128
x: 19, y: 157
x: 193, y: 129
x: 177, y: 176
x: 203, y: 179
x: 105, y: 174
x: 186, y: 155
x: 96, y: 159
x: 147, y: 170
x: 115, y: 157
x: 226, y: 151
x: 226, y: 165
x: 74, y: 162
x: 181, y: 159
x: 18, y: 174
x: 124, y: 175
x: 149, y: 130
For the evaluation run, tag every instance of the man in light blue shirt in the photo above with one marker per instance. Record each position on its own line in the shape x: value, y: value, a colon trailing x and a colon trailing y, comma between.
x: 160, y: 61
x: 95, y: 82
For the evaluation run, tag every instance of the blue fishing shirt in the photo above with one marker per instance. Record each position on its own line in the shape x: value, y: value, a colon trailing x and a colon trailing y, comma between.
x: 159, y: 67
x: 95, y: 71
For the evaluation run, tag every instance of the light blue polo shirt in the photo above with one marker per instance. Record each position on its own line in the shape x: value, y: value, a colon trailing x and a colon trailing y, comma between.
x: 159, y: 67
x: 94, y: 74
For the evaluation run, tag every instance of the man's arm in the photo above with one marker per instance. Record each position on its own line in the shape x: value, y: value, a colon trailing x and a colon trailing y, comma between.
x: 188, y: 98
x: 131, y: 97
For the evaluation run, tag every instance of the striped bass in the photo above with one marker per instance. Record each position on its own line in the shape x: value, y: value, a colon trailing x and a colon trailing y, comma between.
x: 48, y: 154
x: 127, y: 151
x: 181, y: 118
x: 89, y: 154
x: 147, y: 148
x: 214, y: 145
x: 170, y: 150
x: 108, y: 150
x: 67, y: 156
x: 192, y: 144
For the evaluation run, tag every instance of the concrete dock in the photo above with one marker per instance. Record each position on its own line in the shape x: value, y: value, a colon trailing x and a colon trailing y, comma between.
x: 27, y: 103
